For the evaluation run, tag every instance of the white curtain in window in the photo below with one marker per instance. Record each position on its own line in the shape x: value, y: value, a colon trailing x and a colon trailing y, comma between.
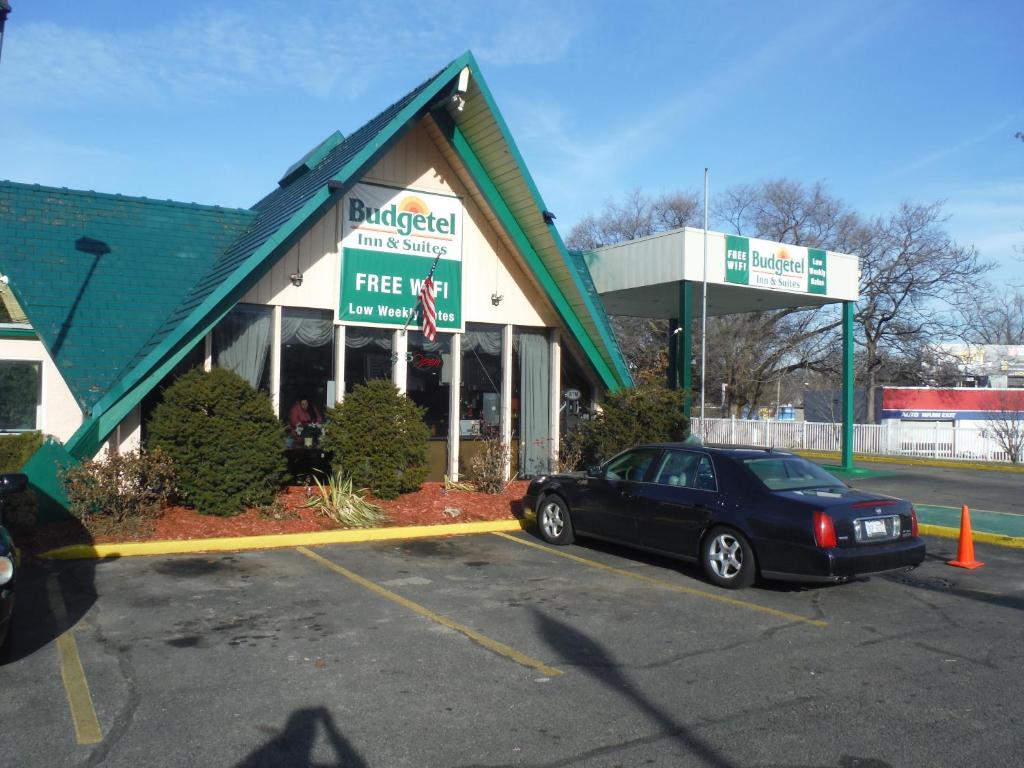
x: 241, y: 341
x: 534, y: 420
x: 311, y: 328
x: 357, y: 338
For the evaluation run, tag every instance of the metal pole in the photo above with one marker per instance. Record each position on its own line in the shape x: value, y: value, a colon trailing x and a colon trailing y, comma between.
x: 704, y: 305
x: 846, y: 446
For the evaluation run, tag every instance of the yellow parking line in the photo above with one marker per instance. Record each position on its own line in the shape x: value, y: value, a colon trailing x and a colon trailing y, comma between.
x: 491, y: 645
x: 667, y: 584
x: 83, y: 714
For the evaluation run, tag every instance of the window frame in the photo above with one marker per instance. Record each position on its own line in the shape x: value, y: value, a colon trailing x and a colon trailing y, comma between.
x: 39, y: 395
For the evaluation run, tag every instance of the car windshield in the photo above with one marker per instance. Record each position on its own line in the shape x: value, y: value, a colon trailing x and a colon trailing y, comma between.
x: 791, y: 473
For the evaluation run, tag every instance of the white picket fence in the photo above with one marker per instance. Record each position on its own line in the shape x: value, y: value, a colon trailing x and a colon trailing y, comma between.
x: 939, y: 441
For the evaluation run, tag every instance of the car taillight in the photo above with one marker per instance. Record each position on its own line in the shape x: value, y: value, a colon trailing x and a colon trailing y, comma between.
x: 824, y: 530
x: 913, y: 521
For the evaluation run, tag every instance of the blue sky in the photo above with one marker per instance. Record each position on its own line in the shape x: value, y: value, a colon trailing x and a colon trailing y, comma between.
x: 211, y: 101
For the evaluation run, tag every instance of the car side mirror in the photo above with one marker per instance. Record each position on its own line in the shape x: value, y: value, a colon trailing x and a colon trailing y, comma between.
x: 13, y: 482
x: 595, y: 471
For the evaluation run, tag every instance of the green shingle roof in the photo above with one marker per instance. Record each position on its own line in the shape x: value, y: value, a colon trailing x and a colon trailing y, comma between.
x: 98, y: 274
x: 120, y: 288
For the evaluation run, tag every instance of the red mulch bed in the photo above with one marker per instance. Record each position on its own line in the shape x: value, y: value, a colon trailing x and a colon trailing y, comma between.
x: 431, y: 505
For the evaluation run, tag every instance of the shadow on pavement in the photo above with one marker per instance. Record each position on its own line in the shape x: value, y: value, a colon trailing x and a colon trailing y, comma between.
x: 590, y: 657
x: 294, y: 745
x: 50, y: 597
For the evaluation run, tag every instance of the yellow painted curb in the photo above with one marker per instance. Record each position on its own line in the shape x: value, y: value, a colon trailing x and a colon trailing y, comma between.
x: 945, y: 463
x: 238, y: 543
x: 998, y: 539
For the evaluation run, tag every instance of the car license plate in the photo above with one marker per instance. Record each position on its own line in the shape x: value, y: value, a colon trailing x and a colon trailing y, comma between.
x: 875, y: 528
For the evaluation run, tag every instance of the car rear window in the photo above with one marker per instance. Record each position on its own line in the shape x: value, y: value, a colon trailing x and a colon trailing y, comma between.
x: 788, y: 473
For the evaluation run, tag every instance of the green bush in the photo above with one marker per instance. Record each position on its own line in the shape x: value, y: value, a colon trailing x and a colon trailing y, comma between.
x: 487, y: 467
x: 15, y: 451
x: 121, y: 487
x: 378, y: 439
x: 647, y: 413
x: 226, y: 443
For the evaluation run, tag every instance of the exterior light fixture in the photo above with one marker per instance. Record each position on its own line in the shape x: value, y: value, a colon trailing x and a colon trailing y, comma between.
x: 457, y: 100
x: 549, y: 218
x: 295, y: 277
x: 496, y: 298
x: 5, y: 9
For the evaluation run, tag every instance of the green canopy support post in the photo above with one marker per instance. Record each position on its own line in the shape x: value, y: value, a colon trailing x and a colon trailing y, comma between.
x: 848, y: 386
x: 684, y: 344
x: 673, y: 372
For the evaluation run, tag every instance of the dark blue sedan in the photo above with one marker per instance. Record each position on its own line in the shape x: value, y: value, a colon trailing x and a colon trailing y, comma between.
x: 9, y: 484
x: 740, y: 512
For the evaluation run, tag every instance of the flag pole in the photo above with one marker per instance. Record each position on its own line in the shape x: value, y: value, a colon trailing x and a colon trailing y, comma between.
x: 419, y: 299
x: 704, y: 310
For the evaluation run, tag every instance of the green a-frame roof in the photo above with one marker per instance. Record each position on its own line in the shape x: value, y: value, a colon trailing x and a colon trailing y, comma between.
x: 249, y: 242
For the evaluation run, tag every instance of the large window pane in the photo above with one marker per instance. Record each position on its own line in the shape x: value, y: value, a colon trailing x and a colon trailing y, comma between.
x: 241, y: 343
x: 428, y: 381
x: 20, y: 394
x: 307, y: 362
x: 480, y: 397
x: 367, y: 355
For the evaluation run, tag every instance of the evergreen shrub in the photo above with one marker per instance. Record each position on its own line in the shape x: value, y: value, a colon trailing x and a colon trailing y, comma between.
x: 646, y: 413
x: 378, y: 439
x: 226, y: 443
x: 15, y: 451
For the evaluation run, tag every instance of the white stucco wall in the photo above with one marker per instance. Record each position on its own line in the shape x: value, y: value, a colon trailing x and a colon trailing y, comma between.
x: 59, y: 415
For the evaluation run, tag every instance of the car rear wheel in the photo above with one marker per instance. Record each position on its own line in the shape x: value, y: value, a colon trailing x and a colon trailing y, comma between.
x: 553, y: 521
x: 728, y: 559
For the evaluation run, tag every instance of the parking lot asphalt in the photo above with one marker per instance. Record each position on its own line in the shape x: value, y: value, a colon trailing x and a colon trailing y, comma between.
x: 944, y: 486
x: 497, y: 650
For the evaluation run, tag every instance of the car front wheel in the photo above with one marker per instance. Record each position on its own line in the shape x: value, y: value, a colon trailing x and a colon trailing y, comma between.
x: 553, y: 521
x: 728, y: 559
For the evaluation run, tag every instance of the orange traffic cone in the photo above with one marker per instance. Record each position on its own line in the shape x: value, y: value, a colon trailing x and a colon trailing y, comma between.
x: 965, y: 554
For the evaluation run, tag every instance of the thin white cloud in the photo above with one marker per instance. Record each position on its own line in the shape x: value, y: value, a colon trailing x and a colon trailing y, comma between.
x: 935, y: 155
x: 325, y: 50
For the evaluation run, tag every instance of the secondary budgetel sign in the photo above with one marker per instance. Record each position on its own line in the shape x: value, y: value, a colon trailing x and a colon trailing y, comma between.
x: 390, y: 237
x: 764, y: 264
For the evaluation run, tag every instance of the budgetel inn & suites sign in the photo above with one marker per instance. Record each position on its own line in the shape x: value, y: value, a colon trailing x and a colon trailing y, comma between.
x: 390, y: 240
x: 764, y: 264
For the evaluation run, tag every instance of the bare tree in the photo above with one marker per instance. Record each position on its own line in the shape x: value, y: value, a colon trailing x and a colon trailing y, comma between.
x: 1006, y: 427
x: 635, y: 215
x: 644, y: 341
x: 989, y: 315
x: 911, y: 274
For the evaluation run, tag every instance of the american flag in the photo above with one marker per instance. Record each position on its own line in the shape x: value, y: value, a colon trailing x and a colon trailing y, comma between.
x: 429, y: 310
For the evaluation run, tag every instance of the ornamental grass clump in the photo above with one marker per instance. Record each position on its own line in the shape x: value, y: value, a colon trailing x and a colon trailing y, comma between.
x: 224, y: 438
x: 338, y: 500
x: 378, y: 438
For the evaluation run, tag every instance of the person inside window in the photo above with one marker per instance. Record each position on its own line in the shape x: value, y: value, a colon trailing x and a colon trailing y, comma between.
x: 301, y: 413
